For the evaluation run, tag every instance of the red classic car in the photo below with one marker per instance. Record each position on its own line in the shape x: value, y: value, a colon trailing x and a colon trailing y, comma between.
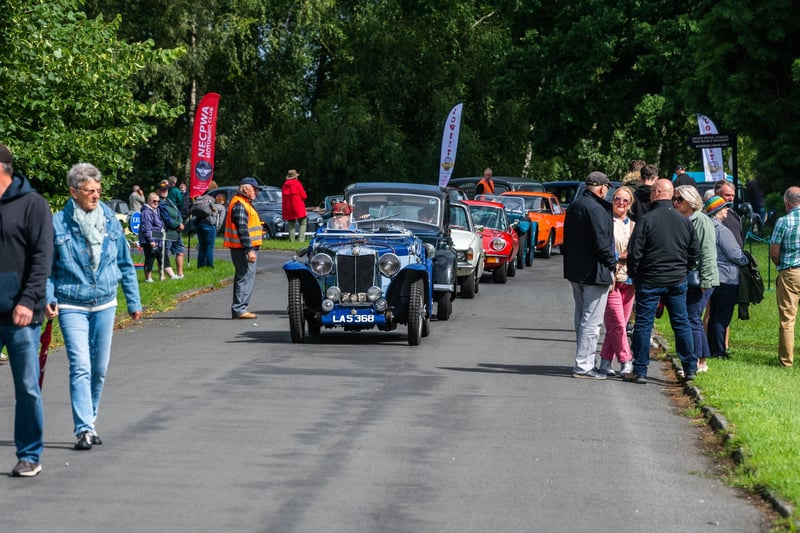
x: 500, y: 240
x: 544, y: 209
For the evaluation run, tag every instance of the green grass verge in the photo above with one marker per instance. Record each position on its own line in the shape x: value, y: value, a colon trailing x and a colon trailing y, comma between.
x: 756, y: 395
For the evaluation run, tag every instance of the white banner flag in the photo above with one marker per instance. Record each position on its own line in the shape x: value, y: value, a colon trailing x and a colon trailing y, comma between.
x: 712, y: 157
x: 447, y: 160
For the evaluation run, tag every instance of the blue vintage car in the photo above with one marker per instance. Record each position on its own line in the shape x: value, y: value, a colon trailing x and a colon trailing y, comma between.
x: 372, y: 270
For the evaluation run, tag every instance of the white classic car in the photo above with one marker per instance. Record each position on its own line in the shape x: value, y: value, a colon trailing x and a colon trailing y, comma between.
x: 469, y: 249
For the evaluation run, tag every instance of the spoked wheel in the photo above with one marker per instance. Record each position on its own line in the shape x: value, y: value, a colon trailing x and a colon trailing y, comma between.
x: 416, y: 313
x: 296, y: 316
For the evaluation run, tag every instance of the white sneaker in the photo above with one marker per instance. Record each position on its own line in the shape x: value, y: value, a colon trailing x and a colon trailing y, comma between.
x: 605, y: 368
x: 627, y: 368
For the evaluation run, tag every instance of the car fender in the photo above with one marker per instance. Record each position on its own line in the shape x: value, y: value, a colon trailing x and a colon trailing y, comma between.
x: 444, y: 270
x: 308, y: 283
x: 402, y: 282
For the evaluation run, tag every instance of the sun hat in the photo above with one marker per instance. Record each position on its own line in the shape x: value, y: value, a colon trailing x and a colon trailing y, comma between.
x: 714, y: 205
x: 292, y: 174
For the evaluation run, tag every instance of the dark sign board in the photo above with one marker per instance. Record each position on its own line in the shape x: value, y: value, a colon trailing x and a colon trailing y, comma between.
x: 717, y: 140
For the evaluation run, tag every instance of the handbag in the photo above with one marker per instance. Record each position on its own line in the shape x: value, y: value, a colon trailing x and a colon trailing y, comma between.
x: 693, y: 279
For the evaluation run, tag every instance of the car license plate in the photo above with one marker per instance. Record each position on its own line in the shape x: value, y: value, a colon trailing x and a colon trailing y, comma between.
x: 361, y: 317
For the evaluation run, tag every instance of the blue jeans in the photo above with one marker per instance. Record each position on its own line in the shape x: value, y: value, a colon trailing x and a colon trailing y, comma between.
x: 647, y: 298
x: 23, y: 356
x: 696, y: 300
x: 206, y: 234
x: 244, y: 279
x: 87, y: 337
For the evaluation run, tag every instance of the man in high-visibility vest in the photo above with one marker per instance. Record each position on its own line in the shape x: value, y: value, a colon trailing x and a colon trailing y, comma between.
x: 486, y: 184
x: 243, y: 231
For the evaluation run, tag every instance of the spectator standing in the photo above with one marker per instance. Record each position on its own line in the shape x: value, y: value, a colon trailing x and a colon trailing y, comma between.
x: 732, y: 221
x: 648, y: 176
x: 682, y: 178
x: 486, y: 183
x: 687, y: 202
x: 294, y: 206
x: 136, y: 199
x: 784, y: 251
x: 26, y: 255
x: 243, y: 231
x: 730, y: 257
x: 91, y: 259
x: 206, y: 228
x: 177, y: 196
x: 151, y: 245
x: 589, y: 261
x: 171, y: 215
x: 662, y: 249
x: 620, y: 298
x: 756, y: 198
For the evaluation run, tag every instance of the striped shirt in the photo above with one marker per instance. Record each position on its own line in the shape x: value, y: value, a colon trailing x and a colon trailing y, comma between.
x: 787, y: 235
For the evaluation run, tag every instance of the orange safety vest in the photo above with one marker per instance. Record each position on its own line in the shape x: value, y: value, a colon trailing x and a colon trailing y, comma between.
x: 488, y: 186
x: 254, y: 225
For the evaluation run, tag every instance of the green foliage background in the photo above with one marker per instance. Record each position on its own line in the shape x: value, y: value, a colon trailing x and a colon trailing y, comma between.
x: 346, y: 90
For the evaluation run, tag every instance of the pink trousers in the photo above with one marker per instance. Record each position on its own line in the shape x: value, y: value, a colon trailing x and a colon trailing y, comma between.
x: 618, y: 311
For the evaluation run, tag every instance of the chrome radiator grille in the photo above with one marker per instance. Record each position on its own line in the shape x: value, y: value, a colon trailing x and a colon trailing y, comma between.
x: 356, y: 273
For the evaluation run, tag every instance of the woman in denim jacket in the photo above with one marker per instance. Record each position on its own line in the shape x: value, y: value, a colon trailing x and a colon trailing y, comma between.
x: 91, y: 258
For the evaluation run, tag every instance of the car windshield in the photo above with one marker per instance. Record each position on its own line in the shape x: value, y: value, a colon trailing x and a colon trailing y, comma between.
x: 269, y: 195
x: 459, y: 217
x: 396, y: 207
x: 488, y: 216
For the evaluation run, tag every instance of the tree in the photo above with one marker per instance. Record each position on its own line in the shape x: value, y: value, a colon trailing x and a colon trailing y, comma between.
x: 66, y: 92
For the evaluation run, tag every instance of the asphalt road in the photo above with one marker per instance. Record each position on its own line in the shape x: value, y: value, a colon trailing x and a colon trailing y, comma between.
x: 212, y: 424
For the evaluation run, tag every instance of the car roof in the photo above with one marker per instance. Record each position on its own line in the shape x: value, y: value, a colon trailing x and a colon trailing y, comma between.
x: 543, y: 194
x: 236, y: 188
x: 485, y: 203
x: 396, y: 187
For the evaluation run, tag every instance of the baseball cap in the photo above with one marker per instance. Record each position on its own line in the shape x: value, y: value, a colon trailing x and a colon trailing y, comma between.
x: 251, y: 181
x: 597, y: 178
x: 163, y: 185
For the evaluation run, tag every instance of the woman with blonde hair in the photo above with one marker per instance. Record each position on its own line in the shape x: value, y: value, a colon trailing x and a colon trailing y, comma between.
x: 620, y: 298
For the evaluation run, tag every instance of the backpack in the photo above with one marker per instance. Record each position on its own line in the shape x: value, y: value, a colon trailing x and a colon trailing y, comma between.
x: 203, y: 207
x: 751, y: 286
x: 173, y: 219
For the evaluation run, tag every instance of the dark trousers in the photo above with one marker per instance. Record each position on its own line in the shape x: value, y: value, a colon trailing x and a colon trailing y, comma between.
x: 723, y: 300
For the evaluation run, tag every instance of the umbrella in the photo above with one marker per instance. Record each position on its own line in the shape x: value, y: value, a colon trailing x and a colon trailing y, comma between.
x: 47, y: 335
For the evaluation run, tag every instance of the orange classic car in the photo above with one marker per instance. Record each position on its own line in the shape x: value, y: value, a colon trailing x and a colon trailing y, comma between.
x: 544, y: 209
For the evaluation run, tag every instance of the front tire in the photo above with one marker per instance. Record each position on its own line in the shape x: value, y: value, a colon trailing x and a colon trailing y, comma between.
x: 529, y: 250
x: 296, y: 315
x: 512, y: 267
x: 500, y: 274
x: 523, y: 242
x: 444, y: 306
x: 468, y: 287
x: 416, y: 310
x: 547, y: 251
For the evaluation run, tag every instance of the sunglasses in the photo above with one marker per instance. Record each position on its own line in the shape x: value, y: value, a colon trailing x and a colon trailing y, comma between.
x: 677, y: 199
x: 622, y: 200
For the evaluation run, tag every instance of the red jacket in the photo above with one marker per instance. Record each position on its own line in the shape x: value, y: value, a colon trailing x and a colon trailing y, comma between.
x: 294, y: 199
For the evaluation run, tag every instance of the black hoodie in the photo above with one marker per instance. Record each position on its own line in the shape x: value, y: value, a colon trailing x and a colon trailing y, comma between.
x: 26, y: 249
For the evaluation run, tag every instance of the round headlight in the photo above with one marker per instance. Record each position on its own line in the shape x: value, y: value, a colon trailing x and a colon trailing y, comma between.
x: 327, y: 305
x: 373, y: 293
x: 498, y: 244
x: 381, y: 305
x: 321, y: 264
x: 389, y: 264
x: 333, y: 293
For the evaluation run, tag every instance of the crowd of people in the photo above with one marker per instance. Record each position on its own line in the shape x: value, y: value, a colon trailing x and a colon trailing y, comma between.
x: 657, y: 244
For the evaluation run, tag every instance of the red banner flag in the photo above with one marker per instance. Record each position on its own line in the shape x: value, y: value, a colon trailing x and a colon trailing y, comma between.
x: 205, y: 135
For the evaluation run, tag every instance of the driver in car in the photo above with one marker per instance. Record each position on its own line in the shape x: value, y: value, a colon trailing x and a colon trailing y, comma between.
x: 340, y: 218
x: 427, y: 214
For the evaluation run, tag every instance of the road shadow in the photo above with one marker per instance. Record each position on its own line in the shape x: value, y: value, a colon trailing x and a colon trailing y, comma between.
x: 539, y: 370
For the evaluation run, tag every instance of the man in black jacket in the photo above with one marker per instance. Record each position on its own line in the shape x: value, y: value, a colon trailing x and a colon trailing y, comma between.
x: 647, y: 177
x: 26, y: 255
x: 662, y: 249
x: 589, y: 261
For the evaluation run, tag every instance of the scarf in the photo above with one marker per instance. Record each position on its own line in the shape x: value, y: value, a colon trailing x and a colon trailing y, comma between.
x: 93, y: 227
